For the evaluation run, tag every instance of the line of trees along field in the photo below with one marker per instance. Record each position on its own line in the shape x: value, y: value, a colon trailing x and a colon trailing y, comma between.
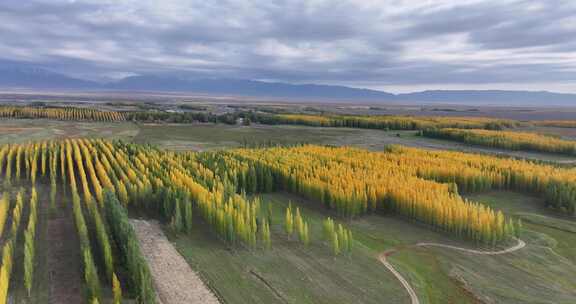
x: 105, y: 178
x: 257, y: 115
x: 88, y: 114
x: 185, y: 117
x: 386, y: 122
x: 555, y: 123
x: 506, y: 140
x: 60, y: 113
x: 367, y: 122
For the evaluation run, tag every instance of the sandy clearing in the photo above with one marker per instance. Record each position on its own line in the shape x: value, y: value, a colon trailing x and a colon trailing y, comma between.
x: 174, y: 280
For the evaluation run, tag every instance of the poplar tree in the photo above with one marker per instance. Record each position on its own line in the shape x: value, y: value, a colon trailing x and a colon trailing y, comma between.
x: 29, y: 242
x: 4, y: 207
x: 103, y: 240
x: 53, y: 190
x: 6, y: 270
x: 176, y: 221
x: 116, y: 290
x: 91, y: 275
x: 289, y: 221
x: 188, y: 215
x: 265, y: 230
x: 306, y: 235
x: 335, y: 244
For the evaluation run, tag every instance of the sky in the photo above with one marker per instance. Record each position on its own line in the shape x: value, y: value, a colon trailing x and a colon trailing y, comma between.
x: 393, y: 45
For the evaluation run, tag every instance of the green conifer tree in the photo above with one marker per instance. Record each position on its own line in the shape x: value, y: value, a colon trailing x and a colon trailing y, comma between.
x: 176, y: 221
x: 335, y: 244
x: 188, y: 215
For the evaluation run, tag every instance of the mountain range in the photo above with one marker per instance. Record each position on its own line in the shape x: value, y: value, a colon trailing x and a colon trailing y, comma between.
x: 30, y: 77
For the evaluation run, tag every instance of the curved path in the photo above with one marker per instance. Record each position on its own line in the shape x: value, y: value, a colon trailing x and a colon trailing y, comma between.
x: 409, y: 289
x: 521, y: 244
x: 413, y: 297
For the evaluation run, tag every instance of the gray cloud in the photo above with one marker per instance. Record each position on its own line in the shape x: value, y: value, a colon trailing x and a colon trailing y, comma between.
x: 365, y: 43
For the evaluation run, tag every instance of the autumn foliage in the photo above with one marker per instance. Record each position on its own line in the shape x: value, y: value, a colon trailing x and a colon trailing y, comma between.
x: 354, y: 182
x: 388, y: 122
x: 555, y: 123
x: 62, y: 113
x: 507, y: 140
x: 105, y: 179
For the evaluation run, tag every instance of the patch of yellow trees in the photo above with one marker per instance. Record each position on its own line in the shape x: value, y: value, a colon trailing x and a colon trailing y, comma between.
x: 60, y: 113
x: 389, y: 122
x: 106, y: 178
x: 523, y: 141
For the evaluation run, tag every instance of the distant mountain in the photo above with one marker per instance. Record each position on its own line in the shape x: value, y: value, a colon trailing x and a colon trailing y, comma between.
x: 248, y: 88
x: 325, y: 92
x: 25, y: 76
x: 30, y: 77
x: 491, y: 97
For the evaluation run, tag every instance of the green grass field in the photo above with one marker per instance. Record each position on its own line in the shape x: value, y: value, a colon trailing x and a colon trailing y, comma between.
x: 24, y: 130
x: 210, y: 136
x: 561, y: 230
x: 290, y: 273
x: 543, y: 272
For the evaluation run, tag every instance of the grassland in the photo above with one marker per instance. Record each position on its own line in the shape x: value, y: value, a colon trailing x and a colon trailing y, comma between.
x: 561, y: 229
x: 543, y: 272
x: 209, y: 136
x: 202, y: 137
x: 289, y: 273
x: 24, y: 130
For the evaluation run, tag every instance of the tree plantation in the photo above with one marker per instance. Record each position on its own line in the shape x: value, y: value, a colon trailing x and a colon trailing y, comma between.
x: 65, y: 113
x: 556, y: 123
x: 105, y: 180
x: 386, y: 122
x: 328, y: 120
x: 521, y: 141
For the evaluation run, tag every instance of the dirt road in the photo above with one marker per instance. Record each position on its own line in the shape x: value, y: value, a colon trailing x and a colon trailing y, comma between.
x: 174, y: 280
x: 413, y: 296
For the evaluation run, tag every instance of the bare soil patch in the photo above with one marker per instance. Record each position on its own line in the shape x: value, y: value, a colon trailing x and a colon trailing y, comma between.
x: 174, y: 280
x: 64, y: 266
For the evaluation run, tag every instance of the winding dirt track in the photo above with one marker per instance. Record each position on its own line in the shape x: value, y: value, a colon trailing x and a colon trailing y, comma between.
x: 413, y: 297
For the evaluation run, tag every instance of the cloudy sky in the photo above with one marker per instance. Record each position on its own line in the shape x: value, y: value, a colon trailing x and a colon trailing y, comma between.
x: 395, y: 45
